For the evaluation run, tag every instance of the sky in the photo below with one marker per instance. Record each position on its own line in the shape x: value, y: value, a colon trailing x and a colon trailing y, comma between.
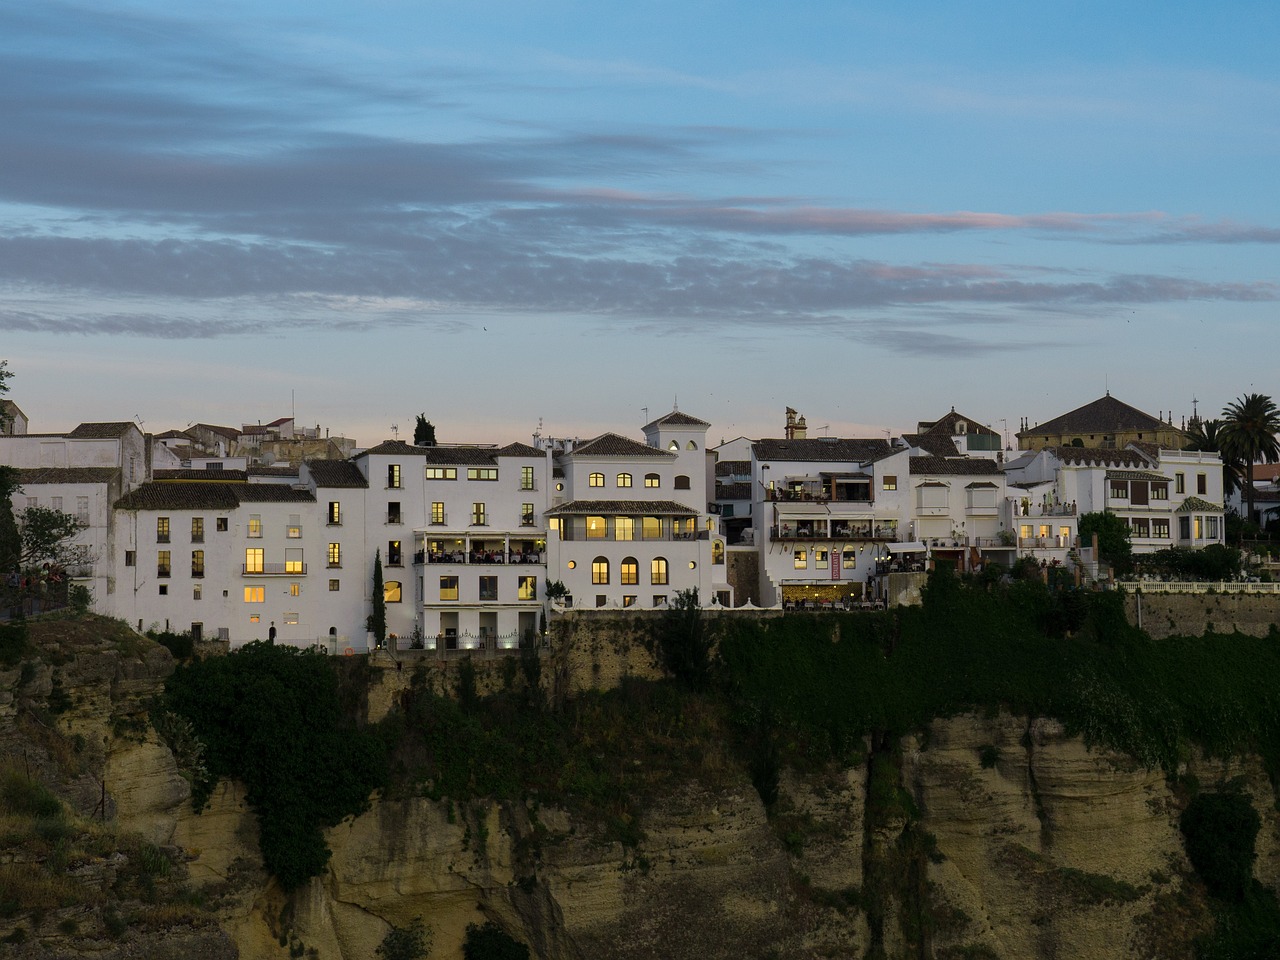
x: 574, y: 216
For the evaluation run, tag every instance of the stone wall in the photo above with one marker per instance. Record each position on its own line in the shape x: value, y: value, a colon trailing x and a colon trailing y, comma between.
x: 1192, y: 614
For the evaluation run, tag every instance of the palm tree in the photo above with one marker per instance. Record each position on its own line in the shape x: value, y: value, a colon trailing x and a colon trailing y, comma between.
x: 1206, y: 436
x: 1248, y: 434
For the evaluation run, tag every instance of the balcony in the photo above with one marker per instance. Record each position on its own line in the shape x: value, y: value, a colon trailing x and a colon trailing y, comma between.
x: 289, y: 569
x: 857, y: 530
x: 816, y: 495
x: 484, y: 557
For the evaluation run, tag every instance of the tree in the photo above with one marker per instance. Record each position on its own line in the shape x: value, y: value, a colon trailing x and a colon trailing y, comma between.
x: 685, y: 641
x: 10, y: 538
x: 378, y: 619
x: 1248, y: 434
x: 5, y: 375
x: 1113, y: 537
x: 46, y: 537
x: 406, y: 943
x: 1206, y: 436
x: 424, y: 432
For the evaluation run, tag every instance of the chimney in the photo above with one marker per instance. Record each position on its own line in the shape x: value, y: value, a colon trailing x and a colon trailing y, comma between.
x: 791, y: 424
x: 801, y: 431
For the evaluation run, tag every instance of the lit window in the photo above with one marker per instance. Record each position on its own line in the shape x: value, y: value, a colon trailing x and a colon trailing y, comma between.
x: 624, y: 528
x: 295, y: 589
x: 628, y: 600
x: 658, y: 571
x: 162, y: 529
x: 255, y: 618
x: 624, y: 479
x: 442, y: 473
x: 162, y: 563
x: 629, y: 571
x: 597, y: 528
x: 482, y: 473
x: 478, y: 516
x: 393, y: 476
x: 197, y: 529
x: 528, y: 588
x: 255, y: 525
x: 255, y: 594
x: 395, y: 556
x: 889, y: 483
x: 800, y: 560
x: 600, y: 570
x: 526, y: 478
x: 293, y: 561
x: 291, y: 619
x: 294, y: 530
x: 391, y: 591
x: 526, y: 515
x: 335, y: 554
x: 197, y: 563
x: 448, y: 588
x: 659, y: 599
x: 253, y: 559
x: 488, y: 588
x: 652, y: 480
x: 596, y: 480
x: 437, y: 512
x: 717, y: 551
x: 651, y: 528
x: 674, y: 445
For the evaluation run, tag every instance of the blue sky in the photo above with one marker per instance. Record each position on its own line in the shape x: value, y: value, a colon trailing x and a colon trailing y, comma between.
x: 501, y: 213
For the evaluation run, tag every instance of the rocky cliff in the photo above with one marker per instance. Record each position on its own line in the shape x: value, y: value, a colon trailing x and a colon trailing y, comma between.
x: 980, y: 836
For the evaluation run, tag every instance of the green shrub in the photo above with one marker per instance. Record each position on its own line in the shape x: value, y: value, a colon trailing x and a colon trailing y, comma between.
x: 406, y: 943
x: 1220, y: 831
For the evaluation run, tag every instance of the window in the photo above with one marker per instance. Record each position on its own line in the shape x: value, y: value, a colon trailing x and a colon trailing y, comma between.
x: 448, y: 588
x: 800, y: 560
x: 1159, y: 490
x: 391, y: 592
x: 82, y: 509
x: 659, y: 599
x: 889, y: 482
x: 334, y: 585
x: 628, y: 600
x: 819, y: 559
x: 651, y: 528
x: 162, y: 563
x: 255, y: 594
x: 33, y: 502
x: 1179, y: 483
x: 1138, y: 493
x: 57, y: 504
x: 1202, y: 484
x: 526, y: 478
x: 624, y: 528
x: 526, y: 515
x: 393, y: 511
x: 1184, y: 528
x: 849, y: 558
x: 395, y: 557
x: 601, y: 599
x: 691, y: 445
x: 674, y: 446
x: 624, y: 479
x: 197, y: 529
x: 1139, y: 527
x: 335, y: 554
x: 931, y: 495
x: 1025, y: 531
x: 528, y: 589
x: 197, y: 592
x: 220, y: 524
x: 293, y: 530
x: 255, y: 618
x: 629, y: 572
x: 682, y: 482
x: 652, y: 480
x: 717, y: 551
x: 442, y: 473
x: 479, y: 517
x: 130, y: 558
x: 334, y: 517
x: 255, y: 526
x: 596, y: 480
x: 162, y: 529
x: 291, y: 619
x: 437, y: 512
x: 1212, y: 524
x: 164, y: 589
x: 600, y: 570
x: 482, y: 473
x: 658, y: 571
x: 293, y: 561
x: 1119, y: 490
x: 597, y: 528
x: 197, y: 563
x: 295, y: 589
x: 253, y: 559
x: 393, y: 476
x: 488, y: 588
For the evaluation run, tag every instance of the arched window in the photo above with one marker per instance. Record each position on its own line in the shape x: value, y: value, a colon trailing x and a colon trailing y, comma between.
x: 391, y: 591
x: 717, y: 551
x: 691, y: 445
x: 624, y: 479
x: 629, y: 571
x: 600, y: 570
x: 674, y: 445
x: 596, y: 480
x: 682, y: 482
x: 658, y: 571
x: 652, y: 480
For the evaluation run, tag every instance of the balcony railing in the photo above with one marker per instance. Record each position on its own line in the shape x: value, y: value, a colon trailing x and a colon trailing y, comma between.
x: 836, y: 532
x: 478, y: 557
x: 813, y: 496
x: 1042, y: 510
x: 289, y: 569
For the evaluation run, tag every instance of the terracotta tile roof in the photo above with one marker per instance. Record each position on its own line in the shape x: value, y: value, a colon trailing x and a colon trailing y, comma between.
x: 208, y: 496
x: 1101, y: 416
x: 935, y: 444
x: 285, y: 471
x: 727, y: 468
x: 1198, y: 505
x: 229, y: 433
x: 613, y: 445
x: 947, y: 425
x: 734, y: 491
x: 519, y: 450
x: 822, y: 448
x: 336, y: 473
x: 650, y: 508
x: 676, y: 419
x: 1099, y: 457
x: 38, y: 475
x: 102, y: 431
x: 395, y: 448
x: 201, y: 476
x: 1136, y: 475
x: 460, y: 456
x: 954, y: 466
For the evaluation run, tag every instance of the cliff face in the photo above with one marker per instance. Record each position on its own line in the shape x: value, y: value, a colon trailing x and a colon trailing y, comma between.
x: 981, y: 836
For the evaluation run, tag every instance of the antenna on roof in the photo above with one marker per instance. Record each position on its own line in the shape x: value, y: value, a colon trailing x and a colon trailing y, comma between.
x: 645, y: 410
x: 395, y: 431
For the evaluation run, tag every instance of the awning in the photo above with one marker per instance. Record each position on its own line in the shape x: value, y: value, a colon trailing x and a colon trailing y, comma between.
x: 913, y: 546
